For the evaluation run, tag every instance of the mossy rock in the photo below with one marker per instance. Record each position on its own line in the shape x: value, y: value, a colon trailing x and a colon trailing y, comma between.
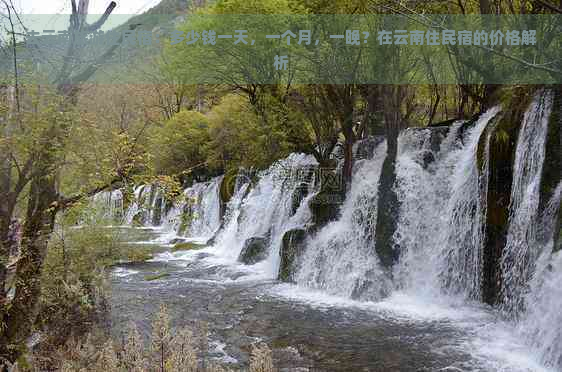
x: 365, y: 148
x: 137, y: 220
x: 187, y: 246
x: 138, y: 255
x: 292, y: 248
x: 157, y: 211
x: 227, y: 185
x: 325, y: 207
x: 158, y: 276
x: 502, y: 133
x: 254, y: 250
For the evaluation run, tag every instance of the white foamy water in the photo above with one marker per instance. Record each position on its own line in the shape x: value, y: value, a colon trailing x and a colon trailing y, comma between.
x: 340, y: 258
x: 522, y: 248
x: 266, y: 211
x: 440, y: 230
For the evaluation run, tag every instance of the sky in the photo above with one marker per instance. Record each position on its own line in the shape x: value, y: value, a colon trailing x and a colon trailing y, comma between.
x: 40, y: 15
x: 96, y: 6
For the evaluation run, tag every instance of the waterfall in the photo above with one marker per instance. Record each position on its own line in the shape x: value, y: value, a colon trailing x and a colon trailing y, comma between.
x: 442, y: 191
x: 540, y: 325
x: 267, y: 210
x: 148, y: 206
x: 197, y: 213
x: 341, y: 258
x: 440, y: 227
x: 109, y: 205
x: 522, y: 249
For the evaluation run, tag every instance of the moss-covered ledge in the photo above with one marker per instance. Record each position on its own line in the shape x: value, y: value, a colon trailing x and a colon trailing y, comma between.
x: 502, y: 134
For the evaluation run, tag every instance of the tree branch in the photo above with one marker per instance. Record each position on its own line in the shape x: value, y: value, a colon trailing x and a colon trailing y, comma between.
x: 549, y: 6
x: 97, y: 25
x: 65, y: 203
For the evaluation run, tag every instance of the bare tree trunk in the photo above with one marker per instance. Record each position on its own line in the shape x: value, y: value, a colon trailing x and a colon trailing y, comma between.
x: 18, y: 314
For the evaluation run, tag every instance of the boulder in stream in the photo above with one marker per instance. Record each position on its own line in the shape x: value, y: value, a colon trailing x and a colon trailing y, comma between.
x: 292, y: 247
x: 254, y: 250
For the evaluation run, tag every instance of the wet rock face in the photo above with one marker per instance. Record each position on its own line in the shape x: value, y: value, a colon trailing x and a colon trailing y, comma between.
x: 254, y: 250
x: 365, y: 148
x: 226, y: 190
x: 552, y: 162
x: 325, y: 205
x: 298, y: 196
x: 302, y: 191
x: 157, y: 213
x: 436, y: 136
x: 292, y: 247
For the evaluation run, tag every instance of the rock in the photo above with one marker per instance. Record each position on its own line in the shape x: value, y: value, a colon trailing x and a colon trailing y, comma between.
x: 292, y: 248
x: 365, y: 148
x: 436, y: 135
x: 185, y: 218
x: 325, y: 205
x: 301, y: 192
x: 157, y: 211
x: 226, y: 190
x: 138, y: 255
x: 428, y: 158
x: 187, y: 246
x: 502, y: 133
x: 254, y: 250
x: 298, y: 196
x: 177, y: 240
x: 137, y: 219
x: 150, y: 278
x: 445, y: 123
x: 552, y: 162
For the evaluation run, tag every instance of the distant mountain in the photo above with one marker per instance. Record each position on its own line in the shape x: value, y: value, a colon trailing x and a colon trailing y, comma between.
x: 162, y: 16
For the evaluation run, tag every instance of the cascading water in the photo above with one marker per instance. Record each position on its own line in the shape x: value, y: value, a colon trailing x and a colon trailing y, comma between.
x: 147, y: 207
x: 522, y: 249
x: 540, y: 324
x: 110, y: 204
x: 267, y: 210
x: 135, y: 206
x: 440, y: 230
x: 197, y: 213
x: 340, y: 258
x: 440, y: 227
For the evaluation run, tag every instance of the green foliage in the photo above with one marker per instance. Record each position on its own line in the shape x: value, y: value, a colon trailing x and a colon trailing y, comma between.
x: 231, y: 135
x: 178, y: 145
x: 236, y: 136
x: 74, y: 281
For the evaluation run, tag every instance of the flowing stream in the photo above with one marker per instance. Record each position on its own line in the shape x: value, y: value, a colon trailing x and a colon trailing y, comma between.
x: 345, y: 312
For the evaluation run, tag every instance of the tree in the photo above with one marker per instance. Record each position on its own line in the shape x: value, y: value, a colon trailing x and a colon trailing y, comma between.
x: 30, y: 181
x: 179, y: 146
